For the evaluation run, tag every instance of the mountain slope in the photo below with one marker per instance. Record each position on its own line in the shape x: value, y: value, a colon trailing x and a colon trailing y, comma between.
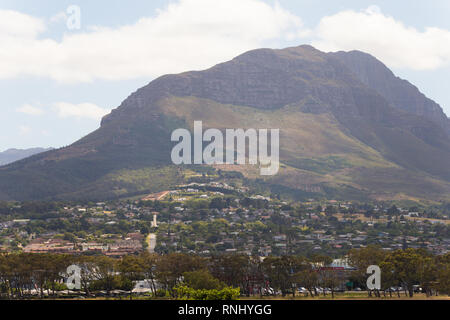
x: 400, y: 93
x: 11, y: 155
x: 339, y: 136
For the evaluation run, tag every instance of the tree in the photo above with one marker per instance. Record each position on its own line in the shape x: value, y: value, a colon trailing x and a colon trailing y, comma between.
x: 308, y: 278
x: 393, y: 211
x: 330, y: 278
x: 170, y: 268
x: 363, y: 258
x: 105, y: 274
x: 388, y: 279
x: 202, y: 279
x: 149, y: 262
x: 409, y: 267
x: 231, y: 269
x: 217, y: 203
x: 87, y: 272
x: 57, y: 265
x: 131, y: 269
x: 443, y: 274
x: 282, y: 271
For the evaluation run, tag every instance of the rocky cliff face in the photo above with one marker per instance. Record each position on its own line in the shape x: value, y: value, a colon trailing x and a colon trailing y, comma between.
x: 263, y: 78
x: 400, y: 93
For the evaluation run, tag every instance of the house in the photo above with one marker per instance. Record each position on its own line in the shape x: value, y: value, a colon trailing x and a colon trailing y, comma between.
x: 50, y: 246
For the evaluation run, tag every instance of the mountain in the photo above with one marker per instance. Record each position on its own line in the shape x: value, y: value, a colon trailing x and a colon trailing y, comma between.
x: 12, y: 155
x: 342, y: 133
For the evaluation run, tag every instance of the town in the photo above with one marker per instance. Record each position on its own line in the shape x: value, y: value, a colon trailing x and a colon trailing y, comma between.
x: 207, y: 218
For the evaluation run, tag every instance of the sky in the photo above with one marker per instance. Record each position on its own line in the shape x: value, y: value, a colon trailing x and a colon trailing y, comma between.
x: 65, y: 64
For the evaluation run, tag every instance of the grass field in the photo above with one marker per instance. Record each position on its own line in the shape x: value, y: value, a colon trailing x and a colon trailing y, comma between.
x: 350, y: 296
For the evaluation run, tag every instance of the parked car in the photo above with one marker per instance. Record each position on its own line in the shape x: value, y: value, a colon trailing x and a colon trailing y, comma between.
x: 268, y: 291
x: 302, y: 290
x: 417, y: 289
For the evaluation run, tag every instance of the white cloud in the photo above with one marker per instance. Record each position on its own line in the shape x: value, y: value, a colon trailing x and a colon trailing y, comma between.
x: 30, y: 110
x: 82, y: 110
x: 22, y: 26
x: 188, y: 34
x: 196, y: 34
x: 389, y: 40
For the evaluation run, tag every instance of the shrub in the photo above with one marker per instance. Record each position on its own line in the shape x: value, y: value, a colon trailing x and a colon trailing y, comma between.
x: 227, y: 293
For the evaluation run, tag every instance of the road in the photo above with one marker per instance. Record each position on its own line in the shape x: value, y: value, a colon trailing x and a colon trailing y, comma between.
x: 151, y: 241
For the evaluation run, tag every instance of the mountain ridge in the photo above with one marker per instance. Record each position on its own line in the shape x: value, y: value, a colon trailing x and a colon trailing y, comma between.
x: 11, y: 155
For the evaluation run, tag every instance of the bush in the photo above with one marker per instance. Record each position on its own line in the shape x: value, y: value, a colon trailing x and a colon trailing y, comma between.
x: 227, y: 293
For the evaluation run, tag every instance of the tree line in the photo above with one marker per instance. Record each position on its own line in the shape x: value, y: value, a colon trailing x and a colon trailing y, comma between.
x: 179, y: 275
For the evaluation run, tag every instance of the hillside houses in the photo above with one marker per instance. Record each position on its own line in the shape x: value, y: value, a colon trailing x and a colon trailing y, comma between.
x: 130, y: 245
